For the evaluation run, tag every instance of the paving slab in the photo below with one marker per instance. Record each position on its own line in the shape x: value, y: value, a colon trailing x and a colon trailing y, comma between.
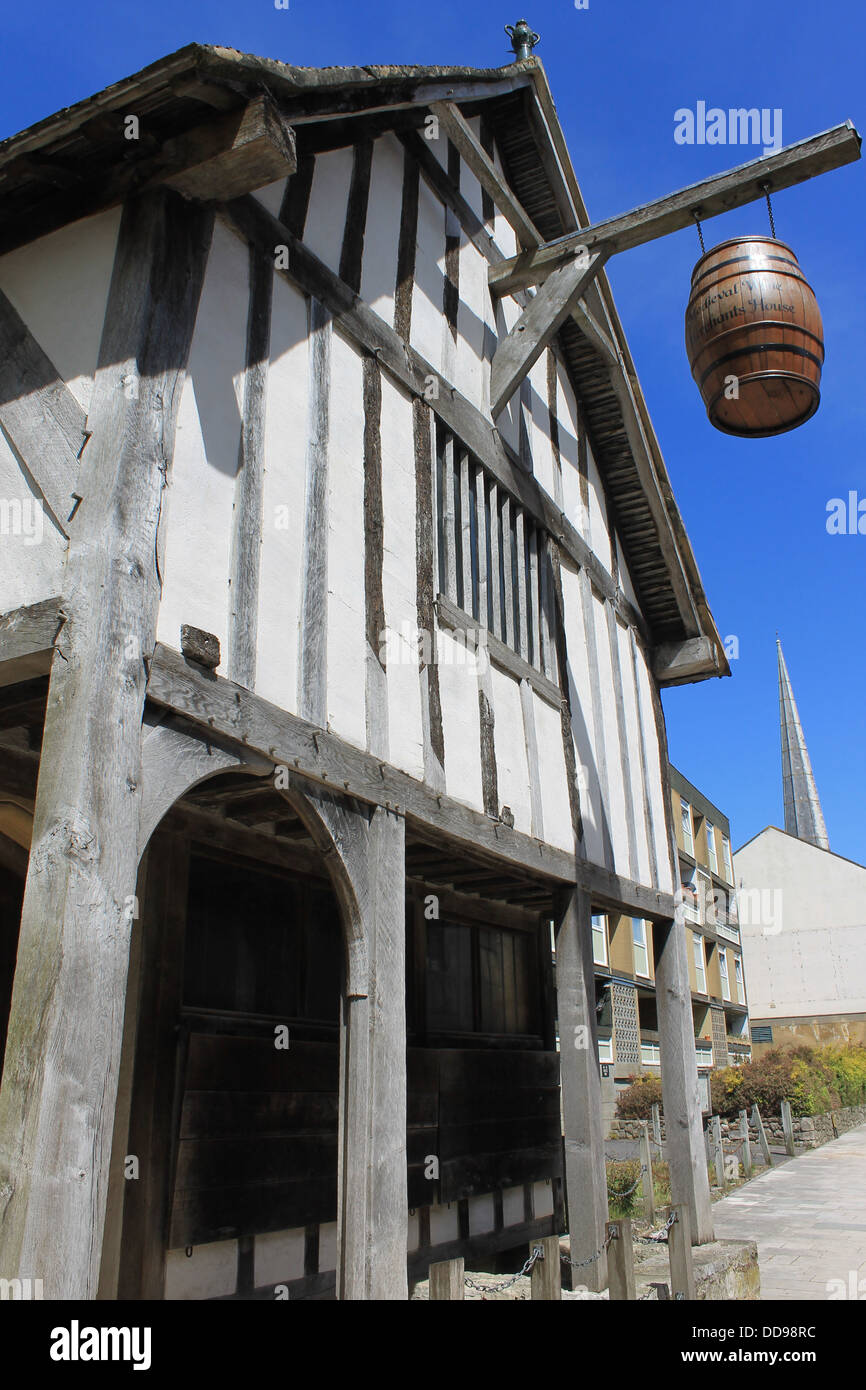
x: 808, y: 1219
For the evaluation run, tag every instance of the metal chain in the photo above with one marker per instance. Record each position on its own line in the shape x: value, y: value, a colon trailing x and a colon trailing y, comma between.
x: 700, y: 233
x: 660, y: 1235
x: 765, y: 188
x: 630, y: 1190
x: 582, y: 1264
x: 537, y: 1254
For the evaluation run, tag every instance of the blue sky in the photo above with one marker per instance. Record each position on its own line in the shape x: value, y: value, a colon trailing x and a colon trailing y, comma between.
x: 755, y: 510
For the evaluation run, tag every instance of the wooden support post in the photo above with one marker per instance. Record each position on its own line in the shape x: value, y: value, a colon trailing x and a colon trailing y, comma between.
x: 446, y: 1279
x: 585, y: 1170
x: 718, y: 1151
x: 545, y: 1274
x: 746, y: 1144
x: 685, y: 1143
x: 646, y: 1163
x: 762, y: 1136
x: 620, y: 1260
x: 680, y: 1255
x: 788, y: 1128
x: 657, y: 1125
x: 66, y: 1022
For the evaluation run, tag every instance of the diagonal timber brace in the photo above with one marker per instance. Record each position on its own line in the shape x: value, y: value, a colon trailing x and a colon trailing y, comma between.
x: 540, y: 320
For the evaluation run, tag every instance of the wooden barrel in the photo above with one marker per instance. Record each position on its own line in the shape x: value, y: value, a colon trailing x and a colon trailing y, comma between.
x: 754, y: 337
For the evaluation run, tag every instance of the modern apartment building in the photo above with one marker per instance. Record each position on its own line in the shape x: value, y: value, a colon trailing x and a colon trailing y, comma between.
x: 628, y: 1038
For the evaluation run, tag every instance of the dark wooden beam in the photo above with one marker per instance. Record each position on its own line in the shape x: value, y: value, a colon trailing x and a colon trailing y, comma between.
x: 477, y: 159
x: 232, y: 155
x: 214, y: 703
x: 733, y: 189
x: 27, y: 640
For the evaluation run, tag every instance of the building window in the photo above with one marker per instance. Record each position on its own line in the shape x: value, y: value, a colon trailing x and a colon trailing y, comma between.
x: 711, y: 847
x: 640, y: 952
x: 605, y: 1049
x: 723, y: 972
x: 726, y: 856
x: 480, y: 980
x: 650, y: 1054
x: 686, y: 815
x: 700, y: 963
x: 493, y: 563
x: 738, y: 972
x: 599, y: 938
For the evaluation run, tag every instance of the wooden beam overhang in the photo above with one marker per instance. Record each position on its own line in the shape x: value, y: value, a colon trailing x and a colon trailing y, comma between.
x: 678, y: 663
x: 212, y: 702
x: 27, y: 637
x: 723, y: 192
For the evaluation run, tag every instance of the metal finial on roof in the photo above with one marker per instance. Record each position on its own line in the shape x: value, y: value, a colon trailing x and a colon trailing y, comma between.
x: 523, y: 40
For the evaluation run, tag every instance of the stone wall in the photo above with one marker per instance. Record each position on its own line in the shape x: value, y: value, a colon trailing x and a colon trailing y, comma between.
x: 810, y: 1131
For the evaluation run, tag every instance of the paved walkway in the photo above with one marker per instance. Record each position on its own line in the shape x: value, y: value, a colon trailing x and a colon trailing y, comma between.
x: 809, y: 1219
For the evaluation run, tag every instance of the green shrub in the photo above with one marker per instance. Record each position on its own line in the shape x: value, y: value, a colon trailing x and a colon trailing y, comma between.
x: 814, y: 1080
x: 637, y: 1100
x: 622, y: 1175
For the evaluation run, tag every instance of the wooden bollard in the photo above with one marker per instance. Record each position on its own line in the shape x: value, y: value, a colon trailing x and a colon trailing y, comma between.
x: 718, y: 1152
x: 657, y: 1125
x: 446, y: 1279
x: 545, y: 1273
x: 646, y: 1163
x: 746, y: 1151
x: 788, y: 1128
x: 680, y: 1255
x: 762, y: 1135
x: 620, y: 1260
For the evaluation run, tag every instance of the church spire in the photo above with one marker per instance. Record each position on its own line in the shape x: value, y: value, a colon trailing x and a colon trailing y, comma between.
x: 803, y: 815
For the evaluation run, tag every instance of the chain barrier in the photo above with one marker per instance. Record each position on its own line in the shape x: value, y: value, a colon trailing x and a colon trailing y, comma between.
x: 582, y: 1264
x: 655, y: 1237
x: 615, y: 1195
x: 537, y: 1254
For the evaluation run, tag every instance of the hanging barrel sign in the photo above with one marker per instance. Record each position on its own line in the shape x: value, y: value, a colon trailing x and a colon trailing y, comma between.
x: 754, y: 337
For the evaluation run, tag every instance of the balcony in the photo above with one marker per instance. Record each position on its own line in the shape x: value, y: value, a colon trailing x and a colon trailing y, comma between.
x: 727, y: 930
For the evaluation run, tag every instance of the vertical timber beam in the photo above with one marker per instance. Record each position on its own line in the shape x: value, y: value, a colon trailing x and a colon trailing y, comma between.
x: 66, y: 1024
x: 585, y: 1173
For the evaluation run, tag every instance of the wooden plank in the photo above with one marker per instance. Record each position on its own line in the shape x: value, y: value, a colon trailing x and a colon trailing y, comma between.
x: 680, y: 1254
x: 39, y: 413
x: 313, y: 634
x: 425, y: 530
x: 534, y: 600
x: 374, y: 534
x: 449, y: 522
x: 212, y: 702
x: 522, y: 595
x: 352, y: 251
x: 584, y: 1130
x: 477, y: 159
x: 629, y: 789
x: 406, y: 249
x: 677, y: 663
x: 448, y: 193
x: 721, y: 193
x: 531, y: 740
x: 252, y: 222
x: 507, y: 544
x: 59, y: 1086
x: 465, y: 483
x: 545, y: 1278
x: 486, y: 716
x: 496, y: 624
x: 620, y: 1259
x: 481, y: 533
x: 27, y: 640
x: 538, y: 323
x: 446, y: 1280
x: 296, y: 198
x: 247, y: 516
x: 233, y: 154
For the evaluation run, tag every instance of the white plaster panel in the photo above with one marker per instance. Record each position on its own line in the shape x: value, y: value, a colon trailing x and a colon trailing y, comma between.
x: 413, y: 1231
x: 509, y: 740
x: 512, y: 1206
x: 199, y: 501
x: 382, y: 236
x: 625, y: 581
x: 542, y: 1199
x: 598, y: 512
x: 473, y: 314
x: 271, y: 195
x: 211, y: 1271
x: 482, y: 1215
x: 399, y: 585
x: 617, y: 809
x: 660, y: 808
x: 346, y: 618
x: 329, y: 197
x: 279, y: 1256
x: 428, y: 294
x: 641, y: 871
x: 555, y: 804
x: 569, y: 427
x: 469, y: 185
x: 32, y: 550
x: 444, y: 1224
x: 458, y: 687
x: 59, y: 285
x: 582, y: 716
x: 539, y: 426
x: 327, y: 1247
x: 283, y: 484
x: 508, y: 421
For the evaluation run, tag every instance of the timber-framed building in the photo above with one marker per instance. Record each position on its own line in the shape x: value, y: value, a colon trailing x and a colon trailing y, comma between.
x: 323, y: 691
